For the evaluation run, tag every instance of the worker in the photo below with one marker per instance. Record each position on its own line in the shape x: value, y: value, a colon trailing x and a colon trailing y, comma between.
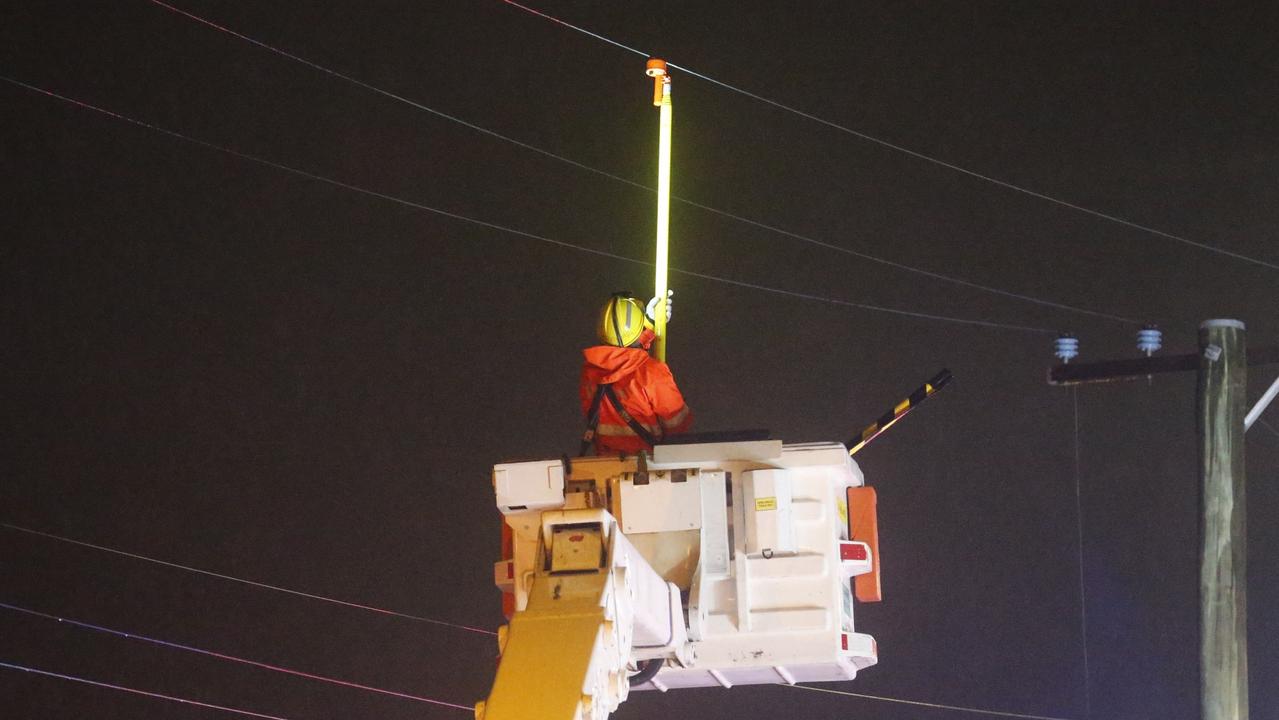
x: 628, y: 397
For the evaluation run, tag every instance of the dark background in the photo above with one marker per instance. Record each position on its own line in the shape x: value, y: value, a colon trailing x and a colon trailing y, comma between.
x: 217, y: 363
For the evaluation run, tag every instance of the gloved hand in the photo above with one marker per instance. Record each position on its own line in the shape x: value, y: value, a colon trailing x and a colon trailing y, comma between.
x: 651, y: 310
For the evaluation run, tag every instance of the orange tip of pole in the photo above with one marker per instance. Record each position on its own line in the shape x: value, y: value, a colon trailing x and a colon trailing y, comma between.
x: 656, y: 69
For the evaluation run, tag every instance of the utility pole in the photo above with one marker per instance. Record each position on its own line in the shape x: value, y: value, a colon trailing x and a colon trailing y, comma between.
x: 1222, y: 364
x: 1223, y: 576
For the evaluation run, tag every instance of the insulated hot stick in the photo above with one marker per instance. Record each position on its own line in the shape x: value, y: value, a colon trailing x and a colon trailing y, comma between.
x: 656, y: 69
x: 890, y: 418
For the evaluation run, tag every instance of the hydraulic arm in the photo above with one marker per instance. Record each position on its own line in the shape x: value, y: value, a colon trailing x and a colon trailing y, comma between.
x: 591, y: 600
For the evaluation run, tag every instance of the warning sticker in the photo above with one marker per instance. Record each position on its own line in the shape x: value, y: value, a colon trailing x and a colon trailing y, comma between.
x: 766, y: 503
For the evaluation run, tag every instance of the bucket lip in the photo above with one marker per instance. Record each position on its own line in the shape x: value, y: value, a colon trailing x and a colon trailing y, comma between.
x: 1222, y: 322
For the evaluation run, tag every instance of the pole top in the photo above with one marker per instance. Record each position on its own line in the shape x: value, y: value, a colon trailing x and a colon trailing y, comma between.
x: 656, y: 69
x: 1222, y: 323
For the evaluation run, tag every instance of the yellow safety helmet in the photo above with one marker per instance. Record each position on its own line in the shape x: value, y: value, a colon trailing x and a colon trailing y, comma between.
x: 622, y: 323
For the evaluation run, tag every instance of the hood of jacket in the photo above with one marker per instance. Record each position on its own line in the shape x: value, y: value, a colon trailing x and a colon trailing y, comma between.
x: 609, y: 364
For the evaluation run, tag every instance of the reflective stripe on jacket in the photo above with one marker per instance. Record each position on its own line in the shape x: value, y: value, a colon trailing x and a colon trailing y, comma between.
x: 647, y: 391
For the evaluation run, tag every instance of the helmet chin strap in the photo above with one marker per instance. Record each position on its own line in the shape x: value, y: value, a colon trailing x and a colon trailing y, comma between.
x: 646, y: 338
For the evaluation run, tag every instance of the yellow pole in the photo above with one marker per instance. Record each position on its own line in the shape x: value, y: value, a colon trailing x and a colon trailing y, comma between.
x: 662, y: 99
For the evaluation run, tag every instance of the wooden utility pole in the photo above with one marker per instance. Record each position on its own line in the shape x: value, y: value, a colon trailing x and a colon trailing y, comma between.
x: 1223, y: 607
x: 1222, y: 363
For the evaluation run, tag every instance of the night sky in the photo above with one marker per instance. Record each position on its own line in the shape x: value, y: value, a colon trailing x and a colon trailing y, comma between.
x: 226, y: 365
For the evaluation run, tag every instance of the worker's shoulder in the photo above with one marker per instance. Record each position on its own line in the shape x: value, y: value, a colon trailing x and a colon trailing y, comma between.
x: 653, y: 368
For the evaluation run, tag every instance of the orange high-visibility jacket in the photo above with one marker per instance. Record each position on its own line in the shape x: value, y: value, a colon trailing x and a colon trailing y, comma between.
x: 647, y: 391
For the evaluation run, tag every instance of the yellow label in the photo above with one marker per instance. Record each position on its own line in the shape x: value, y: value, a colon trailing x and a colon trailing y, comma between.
x: 768, y: 503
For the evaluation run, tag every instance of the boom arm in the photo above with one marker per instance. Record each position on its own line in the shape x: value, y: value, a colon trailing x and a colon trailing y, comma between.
x: 592, y: 599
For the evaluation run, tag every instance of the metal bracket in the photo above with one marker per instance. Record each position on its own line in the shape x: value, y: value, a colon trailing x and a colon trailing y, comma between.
x: 1261, y: 405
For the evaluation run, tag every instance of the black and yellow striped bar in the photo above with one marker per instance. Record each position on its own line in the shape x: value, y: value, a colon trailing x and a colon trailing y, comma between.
x: 877, y: 428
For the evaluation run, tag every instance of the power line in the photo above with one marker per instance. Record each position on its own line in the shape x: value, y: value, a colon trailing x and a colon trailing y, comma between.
x: 937, y: 706
x: 232, y: 658
x: 912, y: 269
x: 96, y: 683
x: 632, y: 183
x: 1083, y: 593
x: 254, y: 583
x: 582, y: 30
x: 514, y: 231
x: 907, y: 151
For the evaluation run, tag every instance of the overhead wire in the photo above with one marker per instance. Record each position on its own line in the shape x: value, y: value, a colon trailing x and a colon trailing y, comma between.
x: 232, y: 658
x: 521, y: 233
x: 254, y: 583
x: 135, y: 691
x: 935, y: 706
x: 1083, y: 593
x: 618, y: 178
x: 907, y: 151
